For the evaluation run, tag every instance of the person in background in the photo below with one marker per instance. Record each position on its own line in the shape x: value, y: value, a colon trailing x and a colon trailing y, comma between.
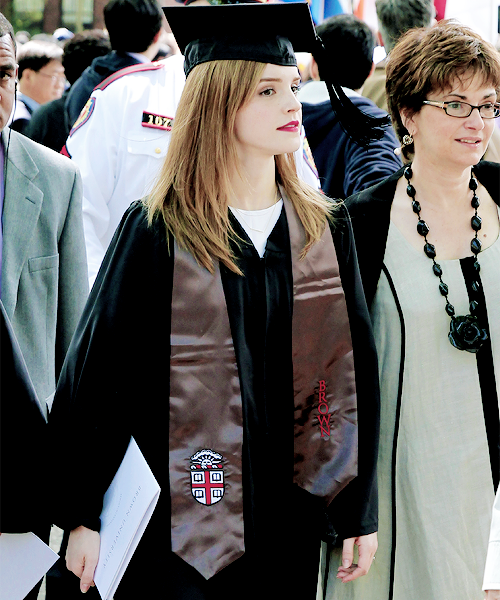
x: 429, y: 253
x: 62, y: 35
x: 395, y: 17
x: 50, y: 123
x: 134, y: 28
x: 227, y: 245
x: 41, y: 79
x: 22, y: 37
x: 344, y: 166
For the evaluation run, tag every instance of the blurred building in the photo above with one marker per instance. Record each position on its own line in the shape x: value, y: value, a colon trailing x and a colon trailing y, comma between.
x: 45, y: 16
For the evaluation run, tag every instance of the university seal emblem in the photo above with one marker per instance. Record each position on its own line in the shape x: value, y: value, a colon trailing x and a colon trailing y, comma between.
x: 207, y: 477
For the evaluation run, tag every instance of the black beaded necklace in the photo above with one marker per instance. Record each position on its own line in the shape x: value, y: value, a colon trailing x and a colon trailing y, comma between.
x: 465, y: 331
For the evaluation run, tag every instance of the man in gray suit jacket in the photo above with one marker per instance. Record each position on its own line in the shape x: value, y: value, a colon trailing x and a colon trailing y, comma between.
x: 44, y: 273
x: 44, y: 281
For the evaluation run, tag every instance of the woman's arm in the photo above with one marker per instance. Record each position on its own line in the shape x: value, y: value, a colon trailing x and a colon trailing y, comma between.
x: 354, y: 512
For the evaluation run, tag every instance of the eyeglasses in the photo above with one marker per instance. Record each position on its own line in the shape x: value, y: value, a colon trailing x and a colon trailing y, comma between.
x: 462, y: 110
x: 55, y: 78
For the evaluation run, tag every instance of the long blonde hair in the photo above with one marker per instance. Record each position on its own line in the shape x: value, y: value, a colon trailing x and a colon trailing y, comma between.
x: 193, y: 189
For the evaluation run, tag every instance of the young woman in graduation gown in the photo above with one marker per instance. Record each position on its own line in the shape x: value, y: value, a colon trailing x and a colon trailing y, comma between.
x: 227, y: 332
x: 429, y: 252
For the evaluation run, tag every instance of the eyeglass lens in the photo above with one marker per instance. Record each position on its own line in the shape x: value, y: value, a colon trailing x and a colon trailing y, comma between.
x: 463, y: 109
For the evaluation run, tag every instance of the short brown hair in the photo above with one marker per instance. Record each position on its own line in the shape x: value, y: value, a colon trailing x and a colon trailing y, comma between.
x: 430, y: 59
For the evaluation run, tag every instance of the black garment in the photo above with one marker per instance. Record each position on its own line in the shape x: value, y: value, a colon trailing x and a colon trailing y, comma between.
x: 23, y: 446
x: 345, y: 167
x: 370, y: 213
x: 23, y: 442
x: 49, y: 125
x: 115, y: 384
x: 21, y: 124
x: 101, y: 67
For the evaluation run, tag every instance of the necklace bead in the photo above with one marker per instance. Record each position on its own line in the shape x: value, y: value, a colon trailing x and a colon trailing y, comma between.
x: 438, y: 271
x: 476, y: 222
x: 475, y: 246
x: 443, y: 288
x: 422, y: 228
x: 450, y: 310
x: 430, y: 250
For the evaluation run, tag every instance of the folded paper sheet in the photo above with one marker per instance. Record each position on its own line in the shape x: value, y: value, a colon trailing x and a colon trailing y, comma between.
x: 24, y: 560
x: 128, y: 505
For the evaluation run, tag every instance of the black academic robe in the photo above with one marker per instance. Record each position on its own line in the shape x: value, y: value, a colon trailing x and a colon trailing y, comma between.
x: 115, y: 383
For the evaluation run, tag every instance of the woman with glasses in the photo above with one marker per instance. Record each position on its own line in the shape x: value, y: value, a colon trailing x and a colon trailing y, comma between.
x: 429, y: 255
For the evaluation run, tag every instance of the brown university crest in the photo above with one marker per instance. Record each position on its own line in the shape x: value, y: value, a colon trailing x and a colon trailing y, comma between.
x: 207, y: 477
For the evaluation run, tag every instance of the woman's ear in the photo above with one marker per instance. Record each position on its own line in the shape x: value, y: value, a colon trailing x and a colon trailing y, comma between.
x: 407, y: 120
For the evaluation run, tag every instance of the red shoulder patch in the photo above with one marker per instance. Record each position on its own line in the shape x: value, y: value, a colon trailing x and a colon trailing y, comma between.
x: 152, y: 66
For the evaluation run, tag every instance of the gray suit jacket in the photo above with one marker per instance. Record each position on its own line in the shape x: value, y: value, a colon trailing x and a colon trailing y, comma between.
x: 44, y: 267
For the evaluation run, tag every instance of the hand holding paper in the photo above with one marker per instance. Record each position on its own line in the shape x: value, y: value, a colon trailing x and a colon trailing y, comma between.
x: 82, y: 555
x: 127, y: 507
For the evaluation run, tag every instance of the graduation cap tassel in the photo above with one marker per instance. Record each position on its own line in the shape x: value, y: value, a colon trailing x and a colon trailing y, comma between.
x: 359, y: 126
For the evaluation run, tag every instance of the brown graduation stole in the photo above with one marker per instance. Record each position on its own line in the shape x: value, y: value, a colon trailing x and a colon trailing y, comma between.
x: 206, y: 419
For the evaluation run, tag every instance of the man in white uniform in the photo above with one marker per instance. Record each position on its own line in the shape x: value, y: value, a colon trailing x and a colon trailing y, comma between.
x: 120, y: 141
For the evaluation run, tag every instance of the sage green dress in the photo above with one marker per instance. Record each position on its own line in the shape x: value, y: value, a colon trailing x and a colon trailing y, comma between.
x: 434, y: 472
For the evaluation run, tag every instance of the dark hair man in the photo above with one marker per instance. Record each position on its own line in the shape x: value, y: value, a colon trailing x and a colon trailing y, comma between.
x: 50, y: 124
x: 343, y: 165
x: 134, y: 28
x: 41, y: 79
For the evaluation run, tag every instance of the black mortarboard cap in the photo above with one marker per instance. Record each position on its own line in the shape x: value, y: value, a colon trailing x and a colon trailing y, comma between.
x: 267, y: 33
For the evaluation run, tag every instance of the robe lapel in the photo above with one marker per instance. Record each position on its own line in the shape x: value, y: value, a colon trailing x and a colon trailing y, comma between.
x: 22, y: 205
x: 370, y: 212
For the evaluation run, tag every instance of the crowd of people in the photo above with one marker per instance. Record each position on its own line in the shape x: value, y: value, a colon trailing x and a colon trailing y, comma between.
x: 305, y: 265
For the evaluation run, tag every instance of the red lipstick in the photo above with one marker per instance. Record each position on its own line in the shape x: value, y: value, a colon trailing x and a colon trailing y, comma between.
x: 293, y: 126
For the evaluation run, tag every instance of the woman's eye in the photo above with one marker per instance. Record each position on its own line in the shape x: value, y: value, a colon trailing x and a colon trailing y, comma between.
x: 295, y: 89
x: 267, y: 92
